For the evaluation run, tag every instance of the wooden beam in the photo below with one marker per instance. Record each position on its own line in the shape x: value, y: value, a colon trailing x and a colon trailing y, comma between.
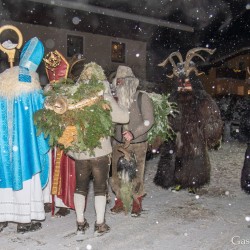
x: 115, y: 13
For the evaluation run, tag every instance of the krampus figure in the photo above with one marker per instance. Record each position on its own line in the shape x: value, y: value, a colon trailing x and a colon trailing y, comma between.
x: 245, y: 173
x: 245, y: 130
x: 184, y: 162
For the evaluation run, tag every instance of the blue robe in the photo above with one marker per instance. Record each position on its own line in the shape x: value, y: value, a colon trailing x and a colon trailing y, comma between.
x: 22, y: 153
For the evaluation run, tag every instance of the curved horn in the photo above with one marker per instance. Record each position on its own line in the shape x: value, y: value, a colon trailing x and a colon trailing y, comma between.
x: 171, y: 60
x: 248, y: 71
x: 190, y: 69
x: 192, y: 53
x: 194, y: 50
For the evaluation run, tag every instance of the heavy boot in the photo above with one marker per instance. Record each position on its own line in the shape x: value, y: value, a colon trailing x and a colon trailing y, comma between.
x: 62, y: 212
x: 28, y: 227
x: 82, y: 227
x: 100, y: 229
x: 137, y: 207
x: 3, y: 225
x: 118, y: 207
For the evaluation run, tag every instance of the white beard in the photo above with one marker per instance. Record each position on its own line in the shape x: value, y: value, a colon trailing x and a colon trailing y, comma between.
x: 126, y: 92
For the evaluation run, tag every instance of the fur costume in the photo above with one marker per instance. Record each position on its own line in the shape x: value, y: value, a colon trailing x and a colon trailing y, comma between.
x: 245, y: 173
x: 198, y: 127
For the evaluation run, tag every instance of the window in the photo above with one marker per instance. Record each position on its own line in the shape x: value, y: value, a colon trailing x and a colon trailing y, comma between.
x: 218, y: 89
x: 240, y: 90
x: 118, y: 52
x: 74, y: 45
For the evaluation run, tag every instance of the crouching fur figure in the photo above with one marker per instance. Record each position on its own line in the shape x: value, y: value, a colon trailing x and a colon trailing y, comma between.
x: 245, y: 129
x: 245, y: 173
x: 184, y: 162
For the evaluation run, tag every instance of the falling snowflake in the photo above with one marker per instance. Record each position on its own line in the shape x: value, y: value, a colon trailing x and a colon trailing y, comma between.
x: 88, y: 247
x: 76, y: 20
x: 50, y: 43
x: 146, y: 123
x: 247, y: 218
x: 15, y: 148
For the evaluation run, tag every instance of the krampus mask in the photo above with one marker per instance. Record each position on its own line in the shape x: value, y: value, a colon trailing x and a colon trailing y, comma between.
x: 245, y: 130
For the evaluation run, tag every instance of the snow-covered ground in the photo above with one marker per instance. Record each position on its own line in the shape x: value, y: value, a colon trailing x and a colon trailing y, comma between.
x: 217, y: 217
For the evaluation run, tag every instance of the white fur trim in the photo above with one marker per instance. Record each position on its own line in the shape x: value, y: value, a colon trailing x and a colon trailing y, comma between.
x: 11, y: 87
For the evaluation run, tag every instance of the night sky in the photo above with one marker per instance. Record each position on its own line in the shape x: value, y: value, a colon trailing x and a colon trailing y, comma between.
x: 220, y: 24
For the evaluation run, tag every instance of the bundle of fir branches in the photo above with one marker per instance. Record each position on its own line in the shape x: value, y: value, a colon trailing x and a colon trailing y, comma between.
x: 163, y: 109
x: 92, y: 122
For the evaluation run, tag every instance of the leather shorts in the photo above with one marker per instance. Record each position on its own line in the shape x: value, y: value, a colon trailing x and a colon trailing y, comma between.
x: 96, y: 168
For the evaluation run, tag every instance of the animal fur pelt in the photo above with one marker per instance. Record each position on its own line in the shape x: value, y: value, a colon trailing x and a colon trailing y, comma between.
x: 245, y: 173
x: 198, y: 127
x: 126, y: 169
x: 126, y: 165
x: 245, y: 123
